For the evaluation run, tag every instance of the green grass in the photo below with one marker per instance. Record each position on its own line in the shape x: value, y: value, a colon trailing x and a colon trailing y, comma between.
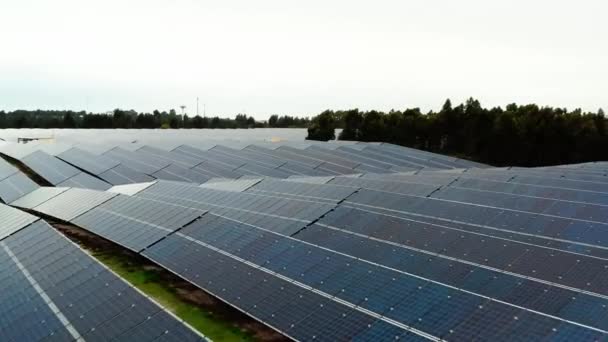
x: 151, y: 283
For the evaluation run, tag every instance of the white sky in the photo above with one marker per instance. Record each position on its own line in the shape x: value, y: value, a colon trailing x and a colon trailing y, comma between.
x: 301, y: 57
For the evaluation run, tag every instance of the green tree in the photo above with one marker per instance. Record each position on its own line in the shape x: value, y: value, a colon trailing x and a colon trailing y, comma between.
x: 323, y: 127
x: 352, y: 125
x: 69, y: 121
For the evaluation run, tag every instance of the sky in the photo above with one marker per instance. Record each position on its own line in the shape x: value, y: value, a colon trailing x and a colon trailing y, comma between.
x: 300, y: 57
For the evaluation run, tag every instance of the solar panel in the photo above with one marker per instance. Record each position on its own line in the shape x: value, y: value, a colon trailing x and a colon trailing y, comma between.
x: 73, y: 203
x: 452, y: 254
x: 548, y: 206
x: 137, y: 161
x: 213, y: 169
x: 383, y: 157
x: 130, y: 189
x: 60, y: 293
x: 309, y: 180
x: 426, y: 305
x: 301, y: 170
x: 135, y: 223
x: 361, y: 163
x: 235, y: 185
x: 370, y: 164
x: 122, y: 174
x: 38, y: 196
x: 52, y: 169
x: 85, y: 181
x: 294, y: 189
x: 321, y: 155
x: 6, y: 169
x: 94, y: 164
x: 15, y: 187
x: 173, y: 158
x: 289, y: 156
x: 381, y: 185
x: 249, y: 156
x: 13, y: 220
x: 257, y: 170
x: 223, y: 159
x: 289, y: 308
x: 299, y: 211
x: 561, y: 183
x: 181, y: 174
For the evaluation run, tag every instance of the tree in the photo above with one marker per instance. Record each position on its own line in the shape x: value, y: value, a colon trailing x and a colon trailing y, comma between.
x: 69, y: 121
x: 272, y: 121
x: 352, y: 125
x: 323, y: 127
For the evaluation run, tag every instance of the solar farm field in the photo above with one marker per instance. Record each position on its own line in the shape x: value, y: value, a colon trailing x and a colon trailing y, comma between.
x: 311, y: 241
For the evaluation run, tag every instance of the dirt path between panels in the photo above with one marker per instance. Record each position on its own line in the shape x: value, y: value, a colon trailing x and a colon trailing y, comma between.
x: 209, y: 315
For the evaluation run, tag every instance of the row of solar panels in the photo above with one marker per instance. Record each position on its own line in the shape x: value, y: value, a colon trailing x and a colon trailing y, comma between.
x: 52, y: 290
x: 75, y: 167
x: 363, y: 258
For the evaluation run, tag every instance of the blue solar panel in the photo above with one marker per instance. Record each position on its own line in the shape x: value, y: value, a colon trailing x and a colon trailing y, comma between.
x: 52, y: 290
x: 15, y: 187
x: 52, y: 169
x: 94, y: 164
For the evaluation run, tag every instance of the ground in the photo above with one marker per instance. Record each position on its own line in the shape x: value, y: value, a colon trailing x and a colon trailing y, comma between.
x: 210, y: 316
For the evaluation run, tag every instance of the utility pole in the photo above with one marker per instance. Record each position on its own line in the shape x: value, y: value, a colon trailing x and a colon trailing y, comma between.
x: 197, y: 106
x: 204, y: 110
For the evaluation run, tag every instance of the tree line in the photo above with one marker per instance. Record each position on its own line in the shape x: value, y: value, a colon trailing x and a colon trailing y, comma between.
x: 523, y: 135
x: 131, y: 119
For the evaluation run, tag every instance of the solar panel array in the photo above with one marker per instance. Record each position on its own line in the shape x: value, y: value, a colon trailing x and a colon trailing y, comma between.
x: 365, y: 242
x: 99, y: 167
x: 52, y: 290
x: 415, y: 256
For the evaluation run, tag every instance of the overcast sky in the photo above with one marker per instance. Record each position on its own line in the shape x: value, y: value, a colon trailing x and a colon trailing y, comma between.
x: 301, y: 57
